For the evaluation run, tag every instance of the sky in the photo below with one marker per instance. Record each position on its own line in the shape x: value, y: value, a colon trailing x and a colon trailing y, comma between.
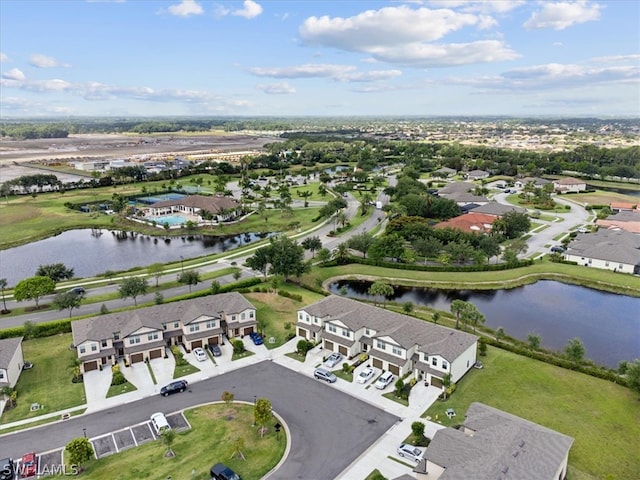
x: 319, y: 58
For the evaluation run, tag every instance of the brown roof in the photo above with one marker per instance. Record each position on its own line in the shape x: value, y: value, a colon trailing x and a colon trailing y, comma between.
x: 211, y: 204
x: 569, y: 181
x: 469, y: 222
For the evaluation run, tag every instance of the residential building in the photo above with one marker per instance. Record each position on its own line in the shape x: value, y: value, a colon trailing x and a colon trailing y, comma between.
x: 497, y: 209
x: 495, y: 445
x: 569, y: 185
x: 616, y: 250
x: 618, y: 207
x: 463, y: 193
x: 477, y: 174
x: 443, y: 172
x: 143, y: 334
x: 471, y: 222
x: 11, y: 361
x: 398, y: 343
x: 623, y: 220
x: 224, y: 208
x: 537, y: 182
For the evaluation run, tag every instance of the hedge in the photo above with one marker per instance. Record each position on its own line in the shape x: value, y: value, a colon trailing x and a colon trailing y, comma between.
x: 39, y: 330
x: 429, y: 268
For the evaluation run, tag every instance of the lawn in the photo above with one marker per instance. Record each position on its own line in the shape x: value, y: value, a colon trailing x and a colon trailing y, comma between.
x: 182, y: 370
x: 126, y: 387
x: 48, y: 383
x: 602, y: 417
x: 215, y: 429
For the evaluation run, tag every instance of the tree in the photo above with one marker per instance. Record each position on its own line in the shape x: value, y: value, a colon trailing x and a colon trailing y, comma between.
x: 260, y: 261
x: 34, y: 288
x: 78, y: 451
x: 227, y: 397
x: 500, y: 334
x: 399, y: 385
x: 55, y: 271
x: 168, y: 437
x: 262, y: 414
x: 361, y: 242
x: 490, y: 246
x: 457, y: 308
x: 435, y: 317
x: 633, y: 375
x: 533, y: 339
x: 133, y: 287
x: 287, y: 257
x: 387, y: 246
x: 68, y: 300
x: 417, y: 428
x: 305, y: 194
x: 446, y: 383
x: 381, y: 289
x: 324, y: 255
x: 3, y: 285
x: 190, y: 277
x: 312, y: 244
x: 512, y: 224
x: 407, y: 307
x: 156, y: 270
x: 574, y: 350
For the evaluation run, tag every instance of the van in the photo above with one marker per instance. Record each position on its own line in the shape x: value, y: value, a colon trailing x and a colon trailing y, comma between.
x: 160, y: 423
x: 384, y: 380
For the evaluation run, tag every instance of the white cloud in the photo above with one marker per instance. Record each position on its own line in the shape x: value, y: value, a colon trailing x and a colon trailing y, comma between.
x: 43, y: 61
x: 14, y: 74
x: 562, y: 15
x: 4, y: 57
x: 186, y: 8
x: 249, y: 10
x: 276, y: 88
x: 498, y: 6
x: 340, y: 73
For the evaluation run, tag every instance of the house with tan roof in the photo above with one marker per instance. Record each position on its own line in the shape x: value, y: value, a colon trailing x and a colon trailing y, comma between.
x: 618, y: 207
x: 471, y: 222
x: 398, y: 343
x: 143, y: 334
x: 223, y: 208
x: 623, y: 220
x: 569, y: 185
x: 495, y: 445
x: 11, y: 361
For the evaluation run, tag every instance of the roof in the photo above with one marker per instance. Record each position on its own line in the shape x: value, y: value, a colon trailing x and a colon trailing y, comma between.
x: 211, y: 204
x: 477, y: 173
x: 622, y: 206
x: 502, y: 446
x: 469, y: 222
x: 498, y: 209
x: 407, y: 331
x: 457, y: 187
x: 569, y: 181
x: 8, y: 348
x: 126, y: 322
x: 610, y: 245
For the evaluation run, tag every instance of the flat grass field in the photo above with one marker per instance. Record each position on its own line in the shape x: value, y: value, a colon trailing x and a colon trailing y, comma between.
x: 215, y: 430
x: 602, y: 417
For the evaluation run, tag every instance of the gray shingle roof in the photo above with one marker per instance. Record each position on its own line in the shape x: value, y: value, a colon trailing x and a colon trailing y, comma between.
x: 405, y: 330
x: 617, y: 246
x: 502, y: 446
x: 104, y: 326
x: 211, y: 204
x: 8, y: 347
x: 498, y: 209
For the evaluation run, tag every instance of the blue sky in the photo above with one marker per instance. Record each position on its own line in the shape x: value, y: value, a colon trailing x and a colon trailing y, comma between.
x: 319, y: 58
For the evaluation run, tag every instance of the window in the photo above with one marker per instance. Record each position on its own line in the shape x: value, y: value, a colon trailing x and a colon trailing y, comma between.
x: 426, y: 357
x: 332, y: 328
x: 104, y: 343
x: 83, y: 349
x: 233, y: 318
x: 380, y: 344
x: 194, y: 328
x: 251, y: 314
x: 1, y: 374
x: 345, y: 333
x: 133, y: 340
x: 211, y: 324
x: 176, y: 325
x: 242, y: 316
x: 309, y: 319
x: 301, y: 316
x: 445, y: 365
x: 94, y: 347
x: 116, y: 336
x: 434, y: 361
x: 367, y: 332
x: 396, y: 350
x: 152, y: 336
x: 164, y: 326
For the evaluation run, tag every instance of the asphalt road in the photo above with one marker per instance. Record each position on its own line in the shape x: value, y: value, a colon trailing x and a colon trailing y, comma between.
x: 329, y: 429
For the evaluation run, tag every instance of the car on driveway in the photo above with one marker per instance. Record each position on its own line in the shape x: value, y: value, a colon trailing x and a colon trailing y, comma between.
x: 365, y: 375
x: 200, y: 354
x: 174, y: 387
x: 384, y: 380
x: 221, y: 472
x: 215, y: 349
x: 333, y: 360
x: 409, y: 451
x: 324, y: 374
x: 256, y: 338
x: 28, y: 465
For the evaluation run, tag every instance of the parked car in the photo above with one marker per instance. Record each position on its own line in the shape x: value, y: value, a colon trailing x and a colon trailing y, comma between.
x: 28, y: 465
x: 582, y: 230
x: 365, y: 375
x: 256, y: 338
x: 557, y: 249
x: 200, y: 354
x: 333, y: 360
x: 409, y: 451
x: 173, y: 387
x: 326, y: 375
x: 159, y: 423
x: 214, y: 348
x: 80, y: 291
x: 221, y: 472
x: 7, y: 469
x: 384, y: 380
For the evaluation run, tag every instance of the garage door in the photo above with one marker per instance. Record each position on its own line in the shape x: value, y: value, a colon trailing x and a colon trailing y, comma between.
x: 88, y: 366
x: 155, y: 353
x: 137, y: 358
x: 213, y: 341
x: 343, y: 350
x: 248, y: 330
x: 196, y: 344
x: 377, y: 363
x: 328, y: 345
x: 302, y: 332
x: 394, y: 369
x: 436, y: 382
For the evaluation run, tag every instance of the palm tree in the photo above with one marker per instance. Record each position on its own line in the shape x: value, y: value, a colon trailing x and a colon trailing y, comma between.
x: 3, y: 285
x: 457, y: 308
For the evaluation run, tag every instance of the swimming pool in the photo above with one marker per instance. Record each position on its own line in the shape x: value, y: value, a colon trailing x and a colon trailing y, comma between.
x: 169, y: 219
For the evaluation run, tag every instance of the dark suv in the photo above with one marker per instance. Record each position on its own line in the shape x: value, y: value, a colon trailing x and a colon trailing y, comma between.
x: 173, y: 387
x: 221, y: 472
x: 7, y: 469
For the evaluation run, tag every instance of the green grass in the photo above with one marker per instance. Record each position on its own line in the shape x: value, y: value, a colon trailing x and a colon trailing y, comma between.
x: 215, y: 428
x: 375, y: 475
x: 344, y: 376
x: 153, y: 376
x: 296, y: 356
x: 48, y: 383
x: 588, y: 409
x: 392, y: 396
x: 238, y: 356
x: 182, y: 370
x: 126, y: 387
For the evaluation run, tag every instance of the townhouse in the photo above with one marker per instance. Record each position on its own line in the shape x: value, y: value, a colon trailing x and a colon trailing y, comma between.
x: 394, y: 342
x: 143, y: 334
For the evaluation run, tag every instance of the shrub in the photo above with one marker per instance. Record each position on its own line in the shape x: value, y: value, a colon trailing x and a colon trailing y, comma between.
x: 117, y: 377
x: 292, y: 296
x: 238, y: 346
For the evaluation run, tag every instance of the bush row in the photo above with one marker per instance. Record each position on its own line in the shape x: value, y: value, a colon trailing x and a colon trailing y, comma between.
x: 430, y: 268
x: 292, y: 296
x: 38, y: 330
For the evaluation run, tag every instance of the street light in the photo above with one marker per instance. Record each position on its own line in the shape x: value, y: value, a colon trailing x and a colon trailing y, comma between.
x: 84, y: 432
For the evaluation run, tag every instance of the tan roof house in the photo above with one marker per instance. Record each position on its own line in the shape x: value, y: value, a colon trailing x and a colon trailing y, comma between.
x: 569, y: 185
x: 11, y: 361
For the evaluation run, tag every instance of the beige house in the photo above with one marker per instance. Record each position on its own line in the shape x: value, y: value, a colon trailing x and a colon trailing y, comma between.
x: 141, y: 335
x: 394, y: 342
x: 569, y: 185
x: 11, y: 361
x: 615, y: 249
x: 223, y: 208
x: 495, y: 445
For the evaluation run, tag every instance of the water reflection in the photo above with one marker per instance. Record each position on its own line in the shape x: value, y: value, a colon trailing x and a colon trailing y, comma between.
x: 608, y: 324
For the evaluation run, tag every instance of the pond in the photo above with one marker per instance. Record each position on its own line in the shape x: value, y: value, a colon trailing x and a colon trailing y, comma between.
x: 92, y: 252
x: 607, y: 324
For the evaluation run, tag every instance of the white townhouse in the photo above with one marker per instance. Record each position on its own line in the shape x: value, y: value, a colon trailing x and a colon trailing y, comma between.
x: 398, y: 343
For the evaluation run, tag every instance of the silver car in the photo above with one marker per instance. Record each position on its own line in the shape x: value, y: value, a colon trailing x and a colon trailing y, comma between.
x: 409, y: 451
x: 333, y: 360
x: 326, y: 375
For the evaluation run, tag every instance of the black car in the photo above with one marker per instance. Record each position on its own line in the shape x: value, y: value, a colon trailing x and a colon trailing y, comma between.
x: 7, y: 469
x: 79, y: 291
x: 215, y: 349
x: 221, y: 472
x: 173, y: 387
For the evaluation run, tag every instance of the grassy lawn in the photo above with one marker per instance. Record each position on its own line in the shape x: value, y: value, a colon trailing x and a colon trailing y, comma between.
x: 49, y: 381
x: 603, y: 418
x: 296, y: 356
x: 126, y: 387
x: 182, y: 370
x: 344, y: 376
x: 238, y: 356
x: 215, y: 428
x: 392, y: 396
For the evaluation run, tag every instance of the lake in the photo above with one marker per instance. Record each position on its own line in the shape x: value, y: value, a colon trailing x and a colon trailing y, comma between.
x: 607, y: 324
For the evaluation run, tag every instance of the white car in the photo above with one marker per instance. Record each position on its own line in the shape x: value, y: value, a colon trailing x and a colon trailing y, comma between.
x: 365, y: 375
x: 409, y: 451
x: 200, y: 354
